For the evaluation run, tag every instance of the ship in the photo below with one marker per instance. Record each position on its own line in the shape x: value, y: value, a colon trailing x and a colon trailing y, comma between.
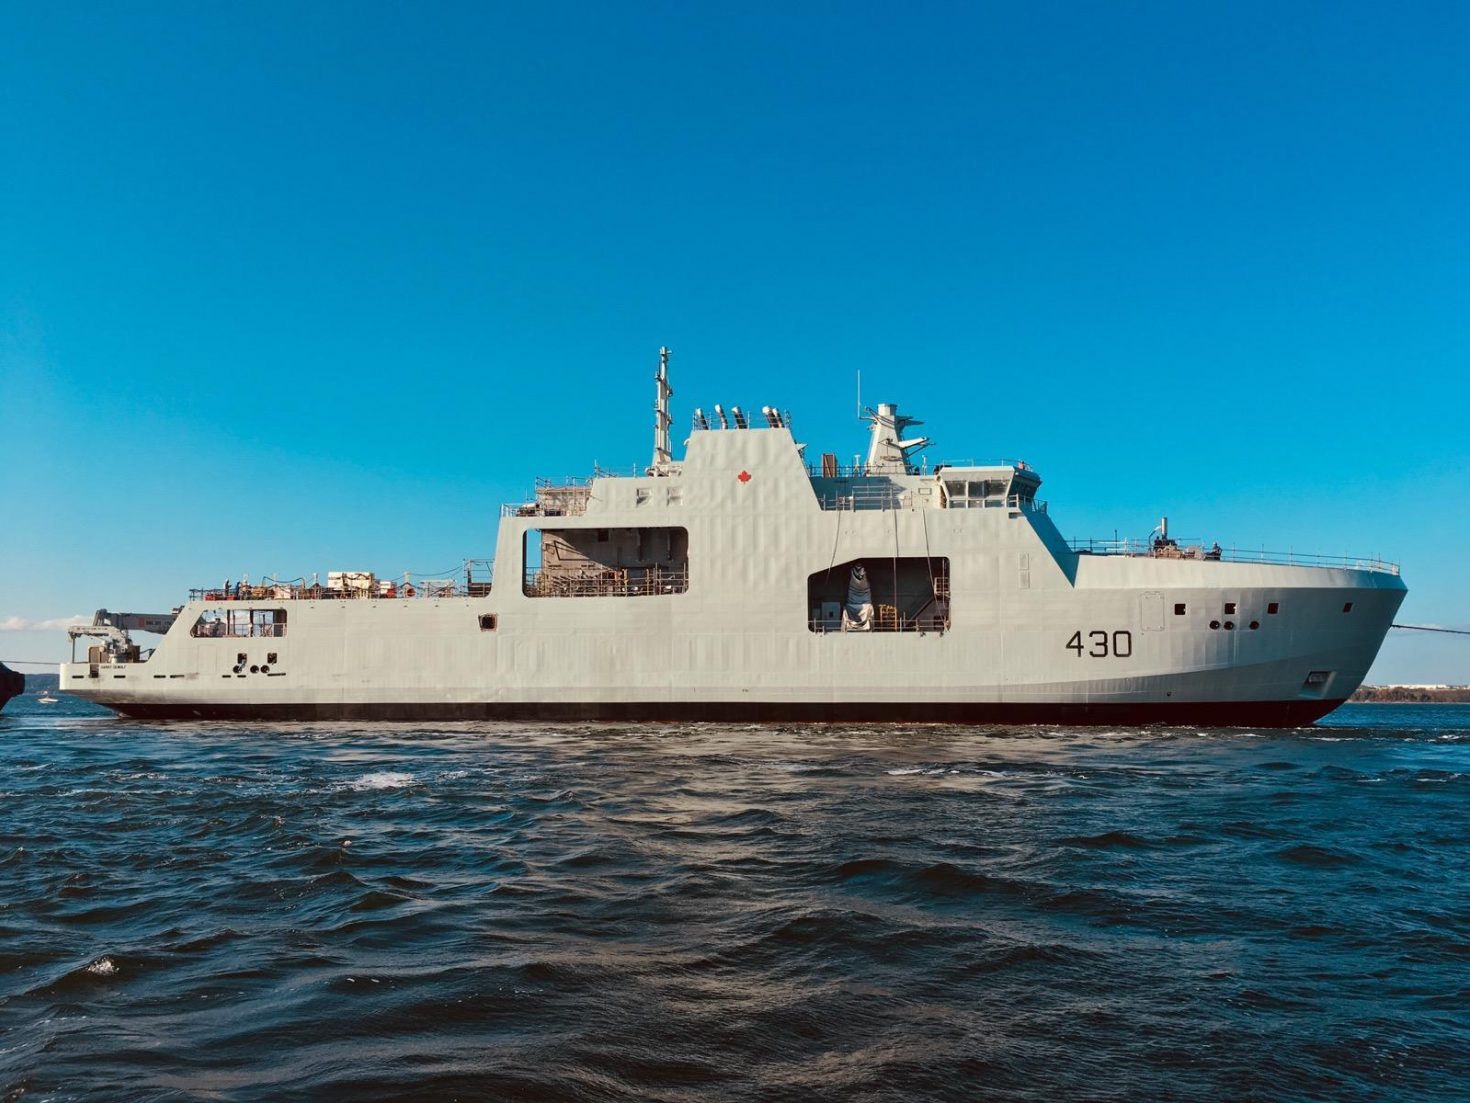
x: 12, y: 684
x: 747, y: 582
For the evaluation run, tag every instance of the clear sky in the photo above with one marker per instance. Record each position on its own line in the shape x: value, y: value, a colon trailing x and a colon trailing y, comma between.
x: 299, y: 287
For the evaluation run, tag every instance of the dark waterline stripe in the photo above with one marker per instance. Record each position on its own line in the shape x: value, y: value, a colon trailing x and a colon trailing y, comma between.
x: 1269, y: 714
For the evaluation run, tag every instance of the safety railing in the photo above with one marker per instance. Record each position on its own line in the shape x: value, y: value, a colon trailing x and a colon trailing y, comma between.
x: 859, y: 470
x: 555, y: 498
x: 1013, y: 501
x: 237, y: 630
x: 757, y: 418
x: 1176, y: 549
x: 972, y: 464
x: 475, y: 580
x: 886, y: 497
x: 885, y: 619
x: 606, y: 583
x: 870, y: 497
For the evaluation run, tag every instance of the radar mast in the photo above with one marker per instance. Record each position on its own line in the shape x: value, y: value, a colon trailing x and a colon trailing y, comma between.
x: 887, y: 453
x: 663, y: 459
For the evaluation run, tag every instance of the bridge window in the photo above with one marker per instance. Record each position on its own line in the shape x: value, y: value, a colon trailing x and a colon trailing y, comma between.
x: 974, y: 493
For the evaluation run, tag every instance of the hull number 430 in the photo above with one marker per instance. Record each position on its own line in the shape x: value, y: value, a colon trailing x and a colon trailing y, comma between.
x: 1102, y: 645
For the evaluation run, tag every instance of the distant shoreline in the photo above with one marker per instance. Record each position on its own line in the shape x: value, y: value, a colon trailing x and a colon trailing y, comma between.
x: 1416, y: 695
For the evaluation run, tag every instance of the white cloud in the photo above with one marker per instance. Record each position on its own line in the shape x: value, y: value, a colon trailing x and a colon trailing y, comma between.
x: 21, y: 624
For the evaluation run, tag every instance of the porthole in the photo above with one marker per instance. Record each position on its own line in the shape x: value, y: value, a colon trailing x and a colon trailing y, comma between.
x: 1229, y: 608
x: 255, y: 670
x: 488, y: 622
x: 1255, y: 624
x: 1273, y: 607
x: 265, y: 669
x: 1230, y: 626
x: 1348, y: 607
x: 1214, y: 624
x: 1179, y: 609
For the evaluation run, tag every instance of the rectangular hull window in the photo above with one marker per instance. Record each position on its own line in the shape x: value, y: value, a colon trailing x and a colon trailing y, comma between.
x: 623, y: 562
x: 239, y: 623
x: 881, y: 594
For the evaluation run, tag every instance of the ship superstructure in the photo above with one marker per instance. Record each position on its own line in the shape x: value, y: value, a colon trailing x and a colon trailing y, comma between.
x: 743, y: 583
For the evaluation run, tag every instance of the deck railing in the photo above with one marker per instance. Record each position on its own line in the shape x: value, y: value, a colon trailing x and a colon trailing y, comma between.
x: 606, y: 583
x: 885, y: 620
x: 887, y: 497
x: 555, y: 498
x: 860, y: 470
x: 1215, y: 553
x: 475, y: 580
x: 237, y: 630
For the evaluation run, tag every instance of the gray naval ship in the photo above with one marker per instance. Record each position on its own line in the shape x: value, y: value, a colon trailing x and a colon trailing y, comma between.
x: 744, y: 583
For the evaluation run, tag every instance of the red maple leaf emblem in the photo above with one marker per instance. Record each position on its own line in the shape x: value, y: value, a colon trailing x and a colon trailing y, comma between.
x: 744, y: 476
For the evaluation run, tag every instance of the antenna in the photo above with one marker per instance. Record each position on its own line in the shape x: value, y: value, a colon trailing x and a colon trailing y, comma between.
x: 663, y: 457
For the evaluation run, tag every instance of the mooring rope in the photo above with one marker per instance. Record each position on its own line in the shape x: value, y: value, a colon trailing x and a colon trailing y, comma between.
x: 1427, y: 628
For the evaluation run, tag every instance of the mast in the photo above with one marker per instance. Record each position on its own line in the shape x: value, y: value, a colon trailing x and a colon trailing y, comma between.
x: 663, y: 459
x: 887, y: 453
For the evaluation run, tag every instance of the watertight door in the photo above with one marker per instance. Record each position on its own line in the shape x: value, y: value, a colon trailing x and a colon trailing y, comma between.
x: 1153, y: 611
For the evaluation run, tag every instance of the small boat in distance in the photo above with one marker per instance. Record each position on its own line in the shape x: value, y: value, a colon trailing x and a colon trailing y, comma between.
x: 46, y: 698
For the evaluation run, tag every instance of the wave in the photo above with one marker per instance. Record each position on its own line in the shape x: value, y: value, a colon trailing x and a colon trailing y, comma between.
x: 710, y: 912
x: 1108, y: 840
x: 1320, y: 857
x: 382, y: 779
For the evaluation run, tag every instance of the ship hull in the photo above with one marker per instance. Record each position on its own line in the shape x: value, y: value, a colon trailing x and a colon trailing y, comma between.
x: 1006, y: 623
x: 414, y: 661
x: 12, y: 684
x: 1256, y: 714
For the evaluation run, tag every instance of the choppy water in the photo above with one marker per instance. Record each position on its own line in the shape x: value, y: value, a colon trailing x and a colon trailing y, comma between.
x: 192, y: 911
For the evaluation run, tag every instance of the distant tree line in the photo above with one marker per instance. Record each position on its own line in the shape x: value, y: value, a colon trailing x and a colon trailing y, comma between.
x: 1414, y: 694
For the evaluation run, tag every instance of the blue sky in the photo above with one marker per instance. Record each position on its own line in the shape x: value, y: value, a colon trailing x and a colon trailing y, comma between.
x: 290, y: 288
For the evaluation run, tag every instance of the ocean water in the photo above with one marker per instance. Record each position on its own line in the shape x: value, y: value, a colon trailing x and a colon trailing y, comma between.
x: 604, y: 912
